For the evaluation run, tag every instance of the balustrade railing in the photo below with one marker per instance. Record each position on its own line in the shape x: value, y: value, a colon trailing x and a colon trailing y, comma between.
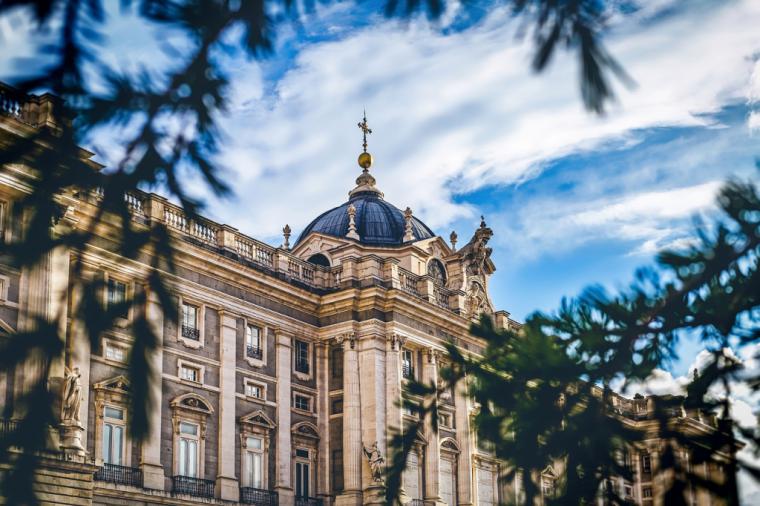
x: 195, y: 487
x: 259, y: 497
x: 417, y: 502
x: 112, y: 473
x: 255, y: 251
x: 10, y: 103
x: 7, y: 427
x: 441, y: 295
x: 309, y: 501
x: 408, y: 282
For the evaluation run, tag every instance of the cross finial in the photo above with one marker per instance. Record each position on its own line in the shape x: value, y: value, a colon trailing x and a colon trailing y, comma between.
x: 365, y: 130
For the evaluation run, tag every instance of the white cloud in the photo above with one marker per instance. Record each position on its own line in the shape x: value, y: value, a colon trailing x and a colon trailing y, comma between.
x: 452, y: 113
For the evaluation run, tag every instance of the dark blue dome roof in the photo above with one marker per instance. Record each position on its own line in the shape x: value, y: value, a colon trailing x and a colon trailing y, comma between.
x: 377, y: 222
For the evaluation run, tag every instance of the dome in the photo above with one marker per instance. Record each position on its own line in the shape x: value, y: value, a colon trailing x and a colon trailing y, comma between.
x: 378, y: 222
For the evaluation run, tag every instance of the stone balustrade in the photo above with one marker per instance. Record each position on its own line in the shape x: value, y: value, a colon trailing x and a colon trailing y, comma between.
x: 33, y: 110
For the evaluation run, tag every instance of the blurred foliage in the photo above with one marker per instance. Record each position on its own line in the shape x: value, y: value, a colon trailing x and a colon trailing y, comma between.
x: 170, y: 134
x: 543, y: 392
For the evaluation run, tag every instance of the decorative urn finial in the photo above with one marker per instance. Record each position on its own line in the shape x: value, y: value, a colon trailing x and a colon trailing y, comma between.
x: 352, y: 233
x: 453, y: 238
x: 286, y: 234
x: 408, y: 233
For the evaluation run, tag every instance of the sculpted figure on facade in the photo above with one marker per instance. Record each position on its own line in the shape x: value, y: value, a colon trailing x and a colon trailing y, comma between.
x: 376, y: 462
x: 72, y: 395
x: 476, y: 253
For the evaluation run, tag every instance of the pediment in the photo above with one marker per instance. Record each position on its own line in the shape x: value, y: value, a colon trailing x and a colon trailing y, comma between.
x: 305, y: 429
x: 117, y: 384
x: 192, y: 402
x: 258, y: 418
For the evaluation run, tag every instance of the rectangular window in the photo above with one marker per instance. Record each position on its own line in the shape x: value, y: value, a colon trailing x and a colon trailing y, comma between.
x: 302, y: 402
x: 188, y: 450
x: 628, y: 491
x: 190, y: 322
x: 117, y: 296
x: 337, y: 363
x: 189, y: 373
x: 302, y: 357
x: 254, y: 390
x: 254, y: 463
x: 336, y: 406
x: 302, y: 478
x: 646, y: 492
x: 115, y: 353
x: 337, y: 470
x: 253, y: 348
x: 113, y: 436
x: 407, y: 364
x: 646, y: 464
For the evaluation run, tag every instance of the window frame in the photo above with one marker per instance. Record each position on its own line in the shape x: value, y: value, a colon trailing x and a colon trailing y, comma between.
x: 200, y: 318
x: 248, y: 382
x: 309, y: 398
x: 301, y: 375
x: 257, y: 425
x: 107, y: 344
x: 201, y: 369
x: 193, y: 409
x: 112, y: 393
x: 189, y: 438
x: 263, y: 333
x: 412, y: 364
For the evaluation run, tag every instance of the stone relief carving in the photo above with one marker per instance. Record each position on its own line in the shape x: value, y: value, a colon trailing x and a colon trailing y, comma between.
x: 72, y: 396
x: 476, y: 253
x: 477, y: 300
x: 376, y: 462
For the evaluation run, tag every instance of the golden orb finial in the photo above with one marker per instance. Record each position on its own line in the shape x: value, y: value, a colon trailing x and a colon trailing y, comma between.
x: 365, y: 159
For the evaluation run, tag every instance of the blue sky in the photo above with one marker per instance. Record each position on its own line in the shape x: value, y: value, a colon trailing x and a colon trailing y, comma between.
x: 462, y: 127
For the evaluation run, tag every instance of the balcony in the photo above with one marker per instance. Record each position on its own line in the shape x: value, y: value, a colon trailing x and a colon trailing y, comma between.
x: 191, y: 332
x: 259, y: 497
x: 254, y: 352
x: 417, y: 502
x: 308, y: 501
x: 7, y: 427
x: 195, y: 487
x: 112, y: 473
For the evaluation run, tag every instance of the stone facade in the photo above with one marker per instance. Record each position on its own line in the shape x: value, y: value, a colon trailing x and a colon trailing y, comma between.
x: 283, y: 370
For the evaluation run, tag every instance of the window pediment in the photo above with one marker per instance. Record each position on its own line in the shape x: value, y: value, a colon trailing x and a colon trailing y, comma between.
x: 258, y: 419
x: 119, y: 384
x: 305, y: 429
x: 192, y: 402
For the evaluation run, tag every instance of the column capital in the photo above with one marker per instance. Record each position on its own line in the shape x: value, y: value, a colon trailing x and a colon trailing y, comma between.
x: 395, y: 341
x: 347, y: 340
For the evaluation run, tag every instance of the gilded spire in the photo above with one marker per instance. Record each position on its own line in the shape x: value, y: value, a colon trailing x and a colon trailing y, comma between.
x: 365, y: 159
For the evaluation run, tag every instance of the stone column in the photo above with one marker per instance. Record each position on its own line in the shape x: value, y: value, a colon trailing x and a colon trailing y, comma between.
x: 323, y: 419
x: 393, y: 420
x: 466, y: 444
x: 283, y: 482
x: 373, y: 411
x: 150, y: 461
x: 227, y: 486
x: 352, y: 428
x: 432, y: 449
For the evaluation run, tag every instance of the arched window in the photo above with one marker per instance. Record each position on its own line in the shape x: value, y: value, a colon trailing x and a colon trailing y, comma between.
x: 319, y: 259
x: 437, y: 272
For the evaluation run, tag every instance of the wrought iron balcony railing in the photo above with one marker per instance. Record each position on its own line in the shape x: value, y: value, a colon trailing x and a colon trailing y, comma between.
x: 7, y: 426
x: 259, y: 497
x: 309, y: 501
x: 195, y: 487
x: 417, y: 502
x: 254, y: 352
x: 123, y: 475
x: 191, y: 332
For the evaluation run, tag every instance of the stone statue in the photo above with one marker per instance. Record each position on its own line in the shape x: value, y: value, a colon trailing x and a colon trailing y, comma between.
x: 376, y: 462
x: 72, y: 395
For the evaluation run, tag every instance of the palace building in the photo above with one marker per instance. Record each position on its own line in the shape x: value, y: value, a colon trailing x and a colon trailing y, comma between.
x: 279, y: 381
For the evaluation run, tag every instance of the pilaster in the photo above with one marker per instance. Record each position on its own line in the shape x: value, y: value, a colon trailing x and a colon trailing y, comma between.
x: 150, y: 461
x: 373, y: 409
x: 432, y: 449
x: 227, y: 486
x: 393, y: 419
x: 283, y: 484
x: 323, y: 419
x: 352, y: 427
x: 465, y: 442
